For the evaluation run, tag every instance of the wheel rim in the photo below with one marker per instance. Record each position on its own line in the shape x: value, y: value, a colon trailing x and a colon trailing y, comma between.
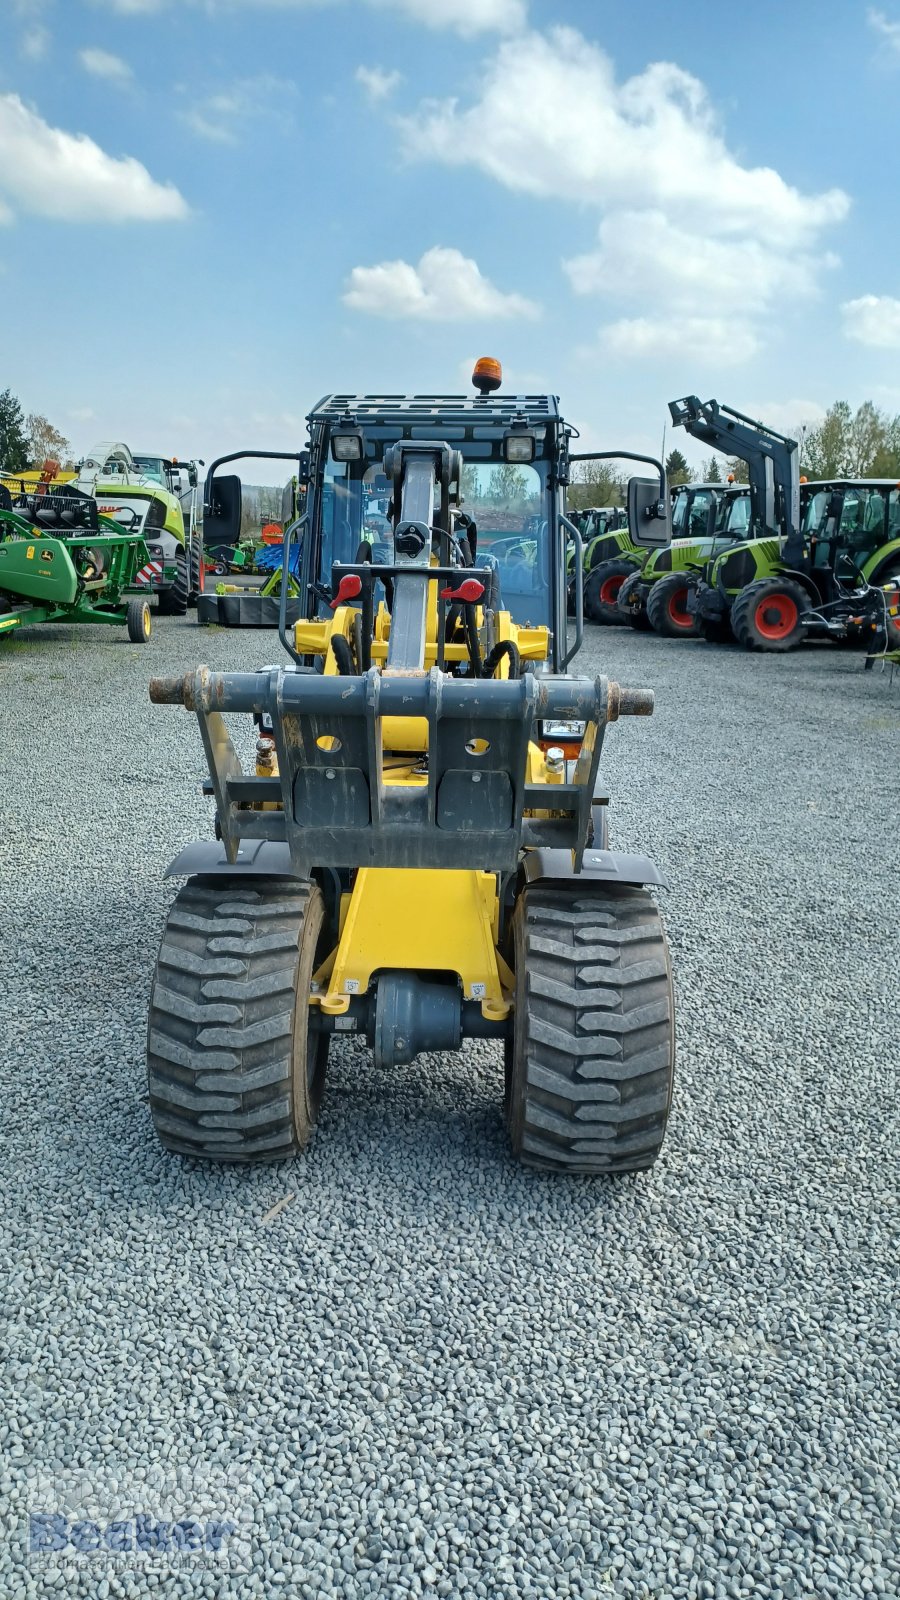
x: 609, y: 589
x: 145, y: 622
x: 776, y: 616
x: 678, y: 611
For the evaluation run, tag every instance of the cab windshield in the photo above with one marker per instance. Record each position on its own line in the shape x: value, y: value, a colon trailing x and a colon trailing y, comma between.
x: 507, y: 503
x: 152, y: 467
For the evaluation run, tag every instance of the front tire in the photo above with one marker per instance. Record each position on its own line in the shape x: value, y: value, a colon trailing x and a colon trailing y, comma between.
x: 138, y: 621
x: 591, y: 1064
x: 235, y: 1072
x: 173, y: 602
x: 766, y: 615
x: 601, y: 590
x: 667, y: 610
x: 195, y: 573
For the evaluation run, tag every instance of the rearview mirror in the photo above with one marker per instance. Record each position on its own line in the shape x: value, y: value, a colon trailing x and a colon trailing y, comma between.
x: 222, y: 517
x: 649, y: 518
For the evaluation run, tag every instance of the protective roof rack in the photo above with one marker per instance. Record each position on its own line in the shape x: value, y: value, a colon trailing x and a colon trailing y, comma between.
x: 460, y: 408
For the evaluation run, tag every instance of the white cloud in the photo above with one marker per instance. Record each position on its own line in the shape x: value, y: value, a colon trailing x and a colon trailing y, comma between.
x: 103, y: 64
x: 466, y: 17
x: 689, y: 236
x: 446, y: 286
x: 66, y: 176
x: 36, y: 42
x: 222, y: 116
x: 719, y: 338
x: 552, y: 121
x: 873, y: 319
x: 378, y: 83
x: 887, y: 30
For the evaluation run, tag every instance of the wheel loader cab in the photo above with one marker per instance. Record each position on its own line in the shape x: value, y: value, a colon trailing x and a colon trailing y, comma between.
x: 507, y: 510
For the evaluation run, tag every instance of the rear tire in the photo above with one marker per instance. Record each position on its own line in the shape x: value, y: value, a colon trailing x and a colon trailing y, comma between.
x: 667, y: 610
x: 601, y: 590
x: 234, y: 1072
x: 766, y: 615
x: 173, y: 602
x: 590, y: 1068
x: 138, y: 621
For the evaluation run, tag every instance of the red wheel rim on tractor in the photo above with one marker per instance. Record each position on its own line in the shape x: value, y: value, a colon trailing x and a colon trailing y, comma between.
x: 609, y: 588
x: 679, y: 615
x: 776, y: 616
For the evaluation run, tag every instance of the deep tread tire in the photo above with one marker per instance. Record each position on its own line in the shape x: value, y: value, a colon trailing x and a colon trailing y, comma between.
x: 195, y: 574
x: 590, y: 1069
x: 746, y: 607
x: 173, y: 602
x: 138, y: 621
x: 666, y: 608
x: 229, y: 1069
x: 609, y: 576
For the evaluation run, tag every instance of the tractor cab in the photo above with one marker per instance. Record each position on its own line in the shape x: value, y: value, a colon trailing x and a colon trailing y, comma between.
x: 846, y: 523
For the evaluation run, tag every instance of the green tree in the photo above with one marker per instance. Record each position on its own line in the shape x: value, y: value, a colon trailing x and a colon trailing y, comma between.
x: 507, y: 485
x: 45, y: 443
x: 594, y: 483
x: 13, y: 443
x: 738, y: 470
x: 711, y: 473
x: 826, y: 449
x: 677, y: 469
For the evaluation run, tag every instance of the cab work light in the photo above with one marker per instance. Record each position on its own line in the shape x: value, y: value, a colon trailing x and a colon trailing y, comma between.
x: 348, y: 444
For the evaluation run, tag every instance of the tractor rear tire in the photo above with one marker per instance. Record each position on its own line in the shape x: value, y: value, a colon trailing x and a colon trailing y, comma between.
x: 667, y: 608
x: 138, y: 621
x: 601, y: 589
x: 234, y: 1072
x: 195, y: 573
x: 173, y: 602
x: 590, y: 1067
x: 766, y: 615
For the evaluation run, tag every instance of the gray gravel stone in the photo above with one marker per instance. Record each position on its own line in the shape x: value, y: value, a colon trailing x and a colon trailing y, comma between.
x: 436, y: 1373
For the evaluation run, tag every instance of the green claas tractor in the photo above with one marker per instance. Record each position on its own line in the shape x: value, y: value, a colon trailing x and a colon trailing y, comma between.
x: 610, y: 556
x: 837, y: 576
x: 156, y: 498
x: 61, y: 561
x: 420, y: 854
x: 705, y: 518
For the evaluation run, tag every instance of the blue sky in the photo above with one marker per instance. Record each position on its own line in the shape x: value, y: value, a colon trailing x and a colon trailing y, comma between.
x: 214, y: 211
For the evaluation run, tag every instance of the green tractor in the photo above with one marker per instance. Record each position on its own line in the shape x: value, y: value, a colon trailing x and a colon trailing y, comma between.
x: 610, y: 556
x: 158, y: 499
x: 836, y: 576
x: 705, y: 516
x: 61, y: 561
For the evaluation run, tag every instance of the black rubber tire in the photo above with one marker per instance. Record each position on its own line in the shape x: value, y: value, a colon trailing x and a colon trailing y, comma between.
x: 639, y: 621
x: 195, y: 574
x: 138, y: 621
x: 746, y: 606
x: 173, y: 602
x: 605, y: 611
x: 662, y: 614
x: 591, y: 1065
x: 233, y: 1072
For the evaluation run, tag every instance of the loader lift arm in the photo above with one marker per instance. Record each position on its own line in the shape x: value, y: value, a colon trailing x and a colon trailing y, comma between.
x: 773, y: 462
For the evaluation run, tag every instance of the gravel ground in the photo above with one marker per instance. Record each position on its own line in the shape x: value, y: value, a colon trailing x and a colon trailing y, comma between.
x: 432, y: 1372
